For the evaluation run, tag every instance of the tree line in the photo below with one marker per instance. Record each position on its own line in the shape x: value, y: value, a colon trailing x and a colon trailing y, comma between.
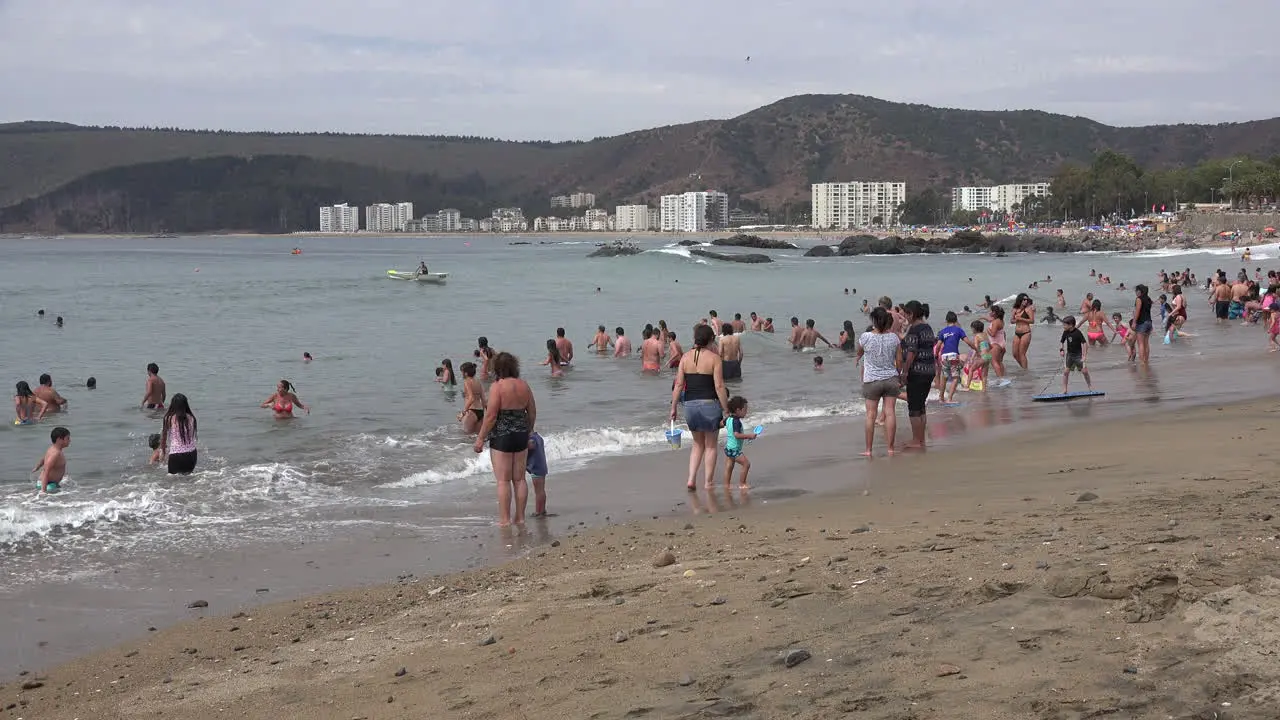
x: 1114, y: 185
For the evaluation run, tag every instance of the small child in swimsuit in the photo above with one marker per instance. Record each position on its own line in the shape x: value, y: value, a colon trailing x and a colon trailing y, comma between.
x: 733, y: 444
x: 1126, y: 334
x: 1272, y: 331
x: 536, y: 465
x: 817, y: 364
x: 157, y: 452
x: 980, y: 360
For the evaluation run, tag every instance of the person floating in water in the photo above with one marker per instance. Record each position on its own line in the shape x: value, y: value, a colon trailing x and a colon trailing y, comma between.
x: 53, y: 466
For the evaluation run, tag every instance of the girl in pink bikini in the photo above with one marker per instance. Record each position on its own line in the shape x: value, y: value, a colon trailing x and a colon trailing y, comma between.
x: 995, y: 334
x: 284, y: 400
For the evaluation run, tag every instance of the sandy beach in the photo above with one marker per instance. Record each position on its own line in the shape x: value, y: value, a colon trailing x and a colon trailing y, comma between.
x: 1114, y: 569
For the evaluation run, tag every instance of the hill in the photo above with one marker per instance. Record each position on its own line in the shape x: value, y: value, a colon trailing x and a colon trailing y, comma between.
x: 767, y: 156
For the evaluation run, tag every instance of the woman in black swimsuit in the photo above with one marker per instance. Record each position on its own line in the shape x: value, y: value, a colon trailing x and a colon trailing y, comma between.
x: 508, y: 420
x: 1024, y: 317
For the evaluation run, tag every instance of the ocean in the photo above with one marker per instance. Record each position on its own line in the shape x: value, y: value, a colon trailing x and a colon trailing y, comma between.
x: 380, y: 455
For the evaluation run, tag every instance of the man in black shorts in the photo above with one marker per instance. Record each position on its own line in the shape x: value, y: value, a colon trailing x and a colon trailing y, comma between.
x: 1074, y: 351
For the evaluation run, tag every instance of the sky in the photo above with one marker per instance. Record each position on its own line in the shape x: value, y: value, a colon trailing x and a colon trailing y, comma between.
x: 572, y: 69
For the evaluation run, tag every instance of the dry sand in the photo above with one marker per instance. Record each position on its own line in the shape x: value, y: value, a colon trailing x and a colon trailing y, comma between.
x: 975, y: 583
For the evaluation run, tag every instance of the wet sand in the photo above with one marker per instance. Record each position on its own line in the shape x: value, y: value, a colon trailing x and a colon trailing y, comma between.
x: 978, y: 582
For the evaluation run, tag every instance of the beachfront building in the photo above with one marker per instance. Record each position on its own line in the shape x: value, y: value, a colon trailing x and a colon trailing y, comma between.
x: 694, y: 211
x: 576, y: 200
x: 635, y: 218
x: 997, y: 198
x: 597, y: 219
x: 388, y: 217
x: 341, y: 218
x: 447, y: 220
x: 844, y: 205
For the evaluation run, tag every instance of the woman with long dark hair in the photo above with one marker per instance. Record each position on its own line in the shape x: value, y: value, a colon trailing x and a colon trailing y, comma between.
x: 995, y: 333
x: 509, y: 419
x: 700, y: 379
x: 1142, y: 322
x: 918, y: 369
x: 554, y: 359
x: 485, y: 354
x: 1024, y: 319
x: 178, y: 436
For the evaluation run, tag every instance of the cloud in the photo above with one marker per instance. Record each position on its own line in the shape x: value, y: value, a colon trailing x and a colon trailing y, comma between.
x: 565, y: 69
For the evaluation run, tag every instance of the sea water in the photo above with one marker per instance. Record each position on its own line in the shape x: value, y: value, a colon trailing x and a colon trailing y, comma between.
x: 227, y: 317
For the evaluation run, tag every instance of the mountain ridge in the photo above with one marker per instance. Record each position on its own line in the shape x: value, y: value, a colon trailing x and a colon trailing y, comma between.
x: 766, y: 157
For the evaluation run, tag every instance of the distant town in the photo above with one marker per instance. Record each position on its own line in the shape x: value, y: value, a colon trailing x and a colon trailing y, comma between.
x: 835, y: 206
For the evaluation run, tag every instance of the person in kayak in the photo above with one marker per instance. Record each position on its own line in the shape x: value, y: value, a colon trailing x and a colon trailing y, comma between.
x: 422, y: 269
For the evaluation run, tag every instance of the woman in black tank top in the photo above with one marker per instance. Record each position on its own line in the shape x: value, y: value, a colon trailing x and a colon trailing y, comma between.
x: 700, y: 379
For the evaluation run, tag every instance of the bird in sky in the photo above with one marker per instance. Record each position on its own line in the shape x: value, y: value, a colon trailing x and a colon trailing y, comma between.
x: 748, y: 58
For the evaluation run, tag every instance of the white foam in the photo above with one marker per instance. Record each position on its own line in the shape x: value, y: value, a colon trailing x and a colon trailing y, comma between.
x: 678, y: 251
x: 571, y: 449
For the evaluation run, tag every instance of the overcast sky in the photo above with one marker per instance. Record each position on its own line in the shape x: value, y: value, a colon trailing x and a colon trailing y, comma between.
x: 564, y: 69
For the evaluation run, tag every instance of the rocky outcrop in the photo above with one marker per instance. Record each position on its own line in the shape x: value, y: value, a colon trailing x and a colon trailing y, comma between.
x: 689, y: 243
x: 820, y: 251
x: 616, y: 251
x: 749, y: 258
x: 969, y: 241
x: 753, y: 241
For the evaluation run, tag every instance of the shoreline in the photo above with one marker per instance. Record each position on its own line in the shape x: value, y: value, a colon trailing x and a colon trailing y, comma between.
x: 560, y: 604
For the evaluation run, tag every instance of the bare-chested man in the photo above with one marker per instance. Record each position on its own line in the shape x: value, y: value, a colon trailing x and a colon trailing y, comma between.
x: 564, y: 346
x: 601, y: 342
x: 1221, y: 298
x: 674, y: 350
x: 153, y: 396
x: 809, y: 337
x: 53, y: 466
x: 768, y: 325
x: 651, y: 352
x: 45, y: 392
x: 731, y: 353
x: 1239, y: 291
x: 796, y: 332
x: 757, y: 323
x: 621, y: 345
x: 715, y: 321
x: 738, y: 326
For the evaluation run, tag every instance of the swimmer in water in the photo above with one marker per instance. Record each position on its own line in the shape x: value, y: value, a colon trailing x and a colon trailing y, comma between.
x: 283, y: 401
x: 306, y: 357
x: 810, y: 336
x: 153, y: 395
x: 554, y: 358
x: 768, y: 325
x: 601, y: 342
x: 446, y: 377
x: 472, y: 399
x: 565, y: 346
x: 45, y: 392
x: 651, y: 351
x: 866, y: 306
x: 53, y: 466
x: 730, y: 354
x: 621, y: 345
x: 157, y: 452
x: 28, y: 408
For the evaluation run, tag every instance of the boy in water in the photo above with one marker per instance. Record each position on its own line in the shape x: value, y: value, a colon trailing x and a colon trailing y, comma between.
x: 157, y: 452
x: 537, y: 467
x: 733, y: 447
x: 53, y: 466
x: 1074, y: 351
x: 817, y: 364
x: 949, y: 339
x: 153, y: 396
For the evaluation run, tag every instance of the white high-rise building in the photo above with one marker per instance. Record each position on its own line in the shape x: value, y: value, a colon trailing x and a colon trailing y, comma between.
x: 387, y: 217
x: 633, y: 218
x: 694, y: 212
x: 340, y: 218
x: 843, y: 205
x: 998, y: 198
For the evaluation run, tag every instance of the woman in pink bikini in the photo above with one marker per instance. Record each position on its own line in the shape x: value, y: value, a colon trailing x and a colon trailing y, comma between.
x: 283, y: 401
x: 995, y: 333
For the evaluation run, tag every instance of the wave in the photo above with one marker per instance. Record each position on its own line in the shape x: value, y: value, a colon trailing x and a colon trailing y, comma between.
x: 572, y: 449
x: 678, y: 251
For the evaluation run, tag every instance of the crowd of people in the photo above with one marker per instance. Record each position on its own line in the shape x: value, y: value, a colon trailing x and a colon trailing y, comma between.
x: 900, y: 357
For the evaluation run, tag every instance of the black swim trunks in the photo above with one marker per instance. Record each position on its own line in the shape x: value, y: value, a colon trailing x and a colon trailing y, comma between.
x: 1222, y: 309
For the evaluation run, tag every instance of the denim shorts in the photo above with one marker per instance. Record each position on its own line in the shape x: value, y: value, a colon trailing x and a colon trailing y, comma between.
x: 702, y: 415
x: 1143, y: 328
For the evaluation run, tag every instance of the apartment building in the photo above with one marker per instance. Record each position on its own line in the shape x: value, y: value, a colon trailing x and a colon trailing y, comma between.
x: 340, y: 218
x: 576, y: 200
x: 694, y: 211
x: 998, y: 198
x: 635, y: 218
x: 843, y: 205
x: 388, y: 217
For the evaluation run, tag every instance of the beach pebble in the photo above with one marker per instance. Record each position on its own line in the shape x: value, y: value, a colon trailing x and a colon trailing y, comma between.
x: 719, y: 600
x: 488, y: 641
x: 1086, y: 497
x: 1173, y: 523
x: 620, y: 637
x: 689, y: 573
x: 32, y: 685
x: 685, y: 680
x: 664, y: 559
x: 1042, y: 565
x: 688, y: 526
x: 664, y: 633
x: 402, y: 672
x: 946, y: 670
x: 1131, y: 670
x: 793, y: 657
x: 555, y: 543
x: 619, y: 601
x: 198, y: 604
x: 1006, y: 566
